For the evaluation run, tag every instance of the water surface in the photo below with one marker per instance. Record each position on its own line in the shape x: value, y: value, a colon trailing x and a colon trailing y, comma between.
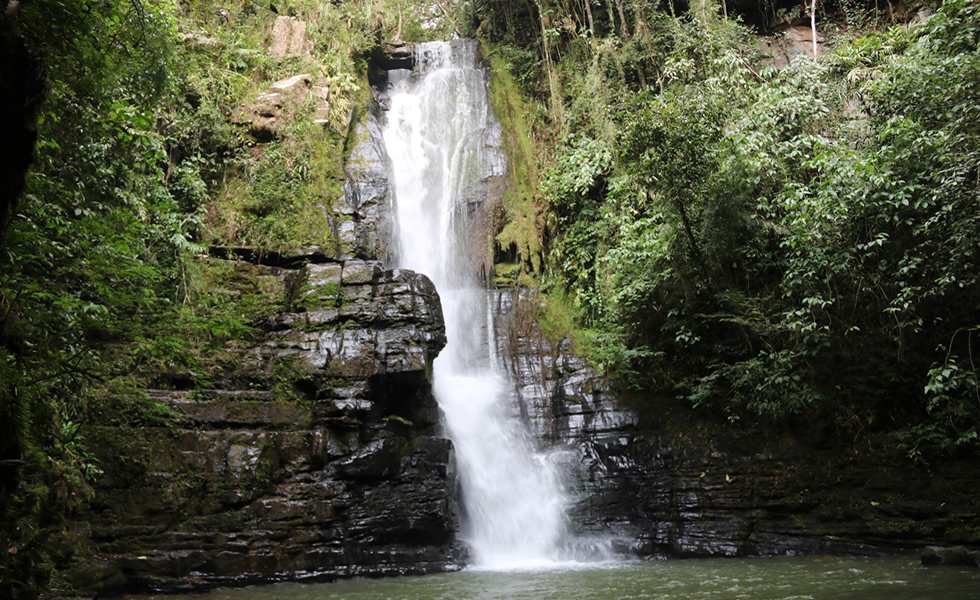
x: 825, y: 578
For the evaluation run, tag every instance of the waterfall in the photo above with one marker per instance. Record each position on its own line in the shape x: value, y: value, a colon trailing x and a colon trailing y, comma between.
x: 437, y: 133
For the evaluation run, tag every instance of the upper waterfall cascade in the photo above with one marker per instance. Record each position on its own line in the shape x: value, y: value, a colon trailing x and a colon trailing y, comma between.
x: 442, y: 140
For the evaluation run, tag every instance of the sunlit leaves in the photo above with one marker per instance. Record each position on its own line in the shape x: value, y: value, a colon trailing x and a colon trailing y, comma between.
x: 580, y: 167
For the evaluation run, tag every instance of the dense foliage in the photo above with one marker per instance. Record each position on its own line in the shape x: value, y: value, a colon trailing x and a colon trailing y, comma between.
x: 89, y: 253
x: 797, y: 247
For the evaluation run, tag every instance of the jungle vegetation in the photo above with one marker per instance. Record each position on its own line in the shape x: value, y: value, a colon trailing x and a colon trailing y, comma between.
x: 786, y: 248
x: 792, y: 248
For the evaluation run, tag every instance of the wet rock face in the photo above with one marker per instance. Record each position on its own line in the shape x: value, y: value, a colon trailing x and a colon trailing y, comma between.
x: 365, y: 224
x: 393, y: 55
x: 569, y: 407
x: 319, y: 455
x: 643, y: 492
x: 691, y: 491
x: 954, y: 556
x: 359, y: 321
x: 317, y: 451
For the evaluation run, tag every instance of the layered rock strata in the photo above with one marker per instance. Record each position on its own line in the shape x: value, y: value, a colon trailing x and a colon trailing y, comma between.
x: 569, y: 407
x: 684, y: 488
x: 314, y: 449
x: 320, y: 456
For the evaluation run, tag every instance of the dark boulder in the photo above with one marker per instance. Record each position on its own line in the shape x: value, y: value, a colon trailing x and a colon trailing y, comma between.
x: 956, y: 556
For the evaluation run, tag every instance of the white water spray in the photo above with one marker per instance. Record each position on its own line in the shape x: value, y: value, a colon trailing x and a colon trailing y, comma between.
x: 436, y: 131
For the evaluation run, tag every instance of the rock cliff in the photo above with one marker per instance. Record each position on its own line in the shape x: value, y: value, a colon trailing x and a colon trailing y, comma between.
x: 320, y: 454
x: 316, y: 451
x: 664, y: 485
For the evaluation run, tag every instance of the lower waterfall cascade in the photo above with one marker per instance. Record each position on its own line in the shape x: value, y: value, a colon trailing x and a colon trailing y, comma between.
x: 440, y: 137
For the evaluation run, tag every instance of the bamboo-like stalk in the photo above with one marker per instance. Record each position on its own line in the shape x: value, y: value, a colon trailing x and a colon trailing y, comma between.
x: 813, y: 25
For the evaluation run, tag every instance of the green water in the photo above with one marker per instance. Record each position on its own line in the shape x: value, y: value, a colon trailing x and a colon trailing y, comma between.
x: 724, y: 579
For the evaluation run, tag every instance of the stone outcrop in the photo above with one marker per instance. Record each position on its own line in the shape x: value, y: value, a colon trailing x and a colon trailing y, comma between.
x: 677, y: 487
x: 315, y: 450
x: 569, y: 407
x: 362, y: 322
x: 288, y: 37
x: 320, y: 454
x: 393, y: 55
x: 271, y: 110
x: 360, y: 221
x: 321, y: 109
x: 791, y: 42
x: 267, y: 115
x: 365, y: 225
x: 953, y: 556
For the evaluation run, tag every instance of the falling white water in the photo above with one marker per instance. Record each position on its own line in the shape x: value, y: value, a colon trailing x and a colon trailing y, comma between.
x: 437, y: 124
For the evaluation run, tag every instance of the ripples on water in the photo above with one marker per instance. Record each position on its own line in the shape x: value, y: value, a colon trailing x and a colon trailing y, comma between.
x: 705, y: 579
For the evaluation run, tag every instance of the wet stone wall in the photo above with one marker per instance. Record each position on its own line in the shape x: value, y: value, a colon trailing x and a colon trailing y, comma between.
x: 314, y: 450
x: 659, y: 486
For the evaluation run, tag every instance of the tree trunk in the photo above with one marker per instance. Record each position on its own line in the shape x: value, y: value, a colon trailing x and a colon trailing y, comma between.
x: 548, y: 64
x: 623, y: 31
x: 695, y: 250
x: 612, y: 17
x: 813, y: 26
